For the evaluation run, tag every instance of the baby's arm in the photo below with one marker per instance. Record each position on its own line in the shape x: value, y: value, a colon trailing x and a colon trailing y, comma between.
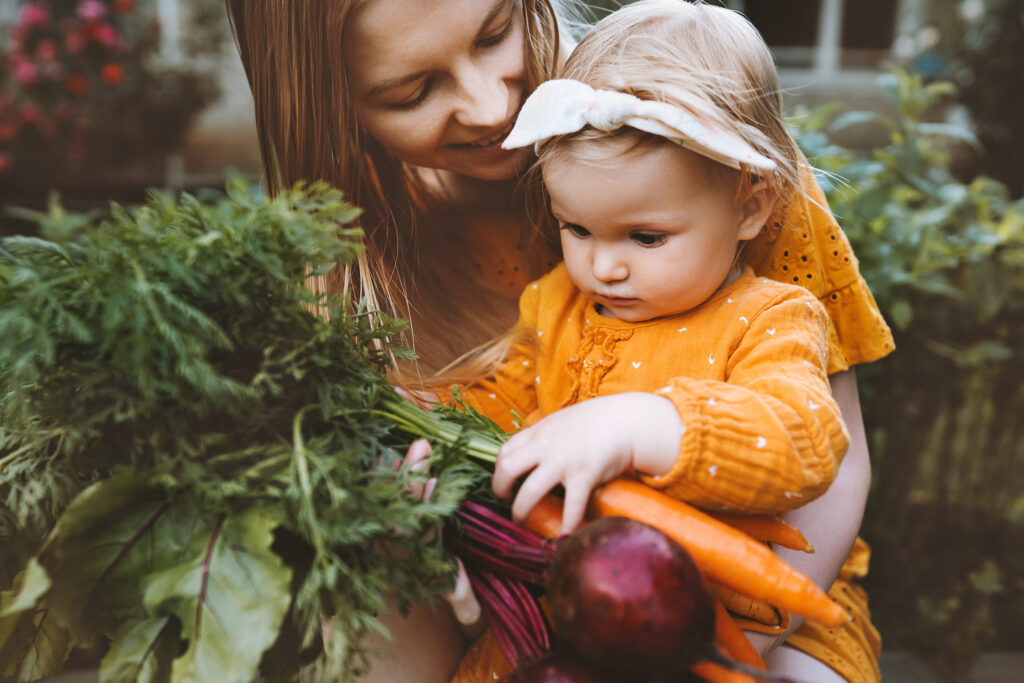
x: 771, y: 437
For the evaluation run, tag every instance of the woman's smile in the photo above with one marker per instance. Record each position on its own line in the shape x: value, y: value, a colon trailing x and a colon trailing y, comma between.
x: 493, y: 140
x: 447, y: 94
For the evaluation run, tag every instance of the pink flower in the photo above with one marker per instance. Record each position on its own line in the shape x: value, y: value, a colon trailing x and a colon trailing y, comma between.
x: 26, y: 72
x: 91, y: 10
x: 105, y: 34
x: 32, y: 15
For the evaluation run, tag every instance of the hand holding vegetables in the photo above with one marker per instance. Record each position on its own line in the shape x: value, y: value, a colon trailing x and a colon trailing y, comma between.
x: 585, y: 445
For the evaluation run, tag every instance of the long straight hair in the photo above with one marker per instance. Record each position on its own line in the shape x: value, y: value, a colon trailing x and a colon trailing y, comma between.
x: 308, y: 130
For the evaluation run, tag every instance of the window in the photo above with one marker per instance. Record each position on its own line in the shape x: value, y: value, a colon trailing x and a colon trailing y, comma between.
x: 824, y: 35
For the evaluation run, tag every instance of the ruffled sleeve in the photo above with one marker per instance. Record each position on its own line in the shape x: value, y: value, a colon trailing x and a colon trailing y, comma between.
x: 803, y: 244
x: 770, y: 438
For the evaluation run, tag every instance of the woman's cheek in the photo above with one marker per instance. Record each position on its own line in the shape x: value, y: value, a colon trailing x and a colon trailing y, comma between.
x: 412, y: 136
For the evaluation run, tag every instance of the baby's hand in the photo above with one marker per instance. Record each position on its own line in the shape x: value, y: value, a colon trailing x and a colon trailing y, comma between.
x: 585, y: 445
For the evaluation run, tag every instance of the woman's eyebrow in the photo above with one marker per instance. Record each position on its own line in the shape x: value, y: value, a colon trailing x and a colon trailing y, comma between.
x: 384, y: 86
x: 390, y: 83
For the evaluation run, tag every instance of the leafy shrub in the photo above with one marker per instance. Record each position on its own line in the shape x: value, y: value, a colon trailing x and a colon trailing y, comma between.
x: 978, y: 48
x: 945, y: 260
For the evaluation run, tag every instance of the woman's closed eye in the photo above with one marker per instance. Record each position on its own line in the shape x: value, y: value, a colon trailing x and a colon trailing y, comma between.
x: 416, y: 98
x: 496, y: 38
x: 577, y: 230
x: 648, y: 239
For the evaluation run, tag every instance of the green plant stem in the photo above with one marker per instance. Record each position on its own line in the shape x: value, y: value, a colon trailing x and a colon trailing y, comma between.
x: 424, y: 424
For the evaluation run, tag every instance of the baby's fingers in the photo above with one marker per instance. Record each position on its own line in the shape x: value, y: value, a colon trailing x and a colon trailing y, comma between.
x: 574, y: 507
x: 514, y: 460
x: 534, y: 488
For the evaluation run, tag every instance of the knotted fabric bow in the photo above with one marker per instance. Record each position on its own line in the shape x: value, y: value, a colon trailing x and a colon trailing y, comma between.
x: 564, y: 106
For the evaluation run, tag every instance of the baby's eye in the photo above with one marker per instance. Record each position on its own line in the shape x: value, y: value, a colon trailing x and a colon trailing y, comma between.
x: 647, y: 239
x: 577, y: 230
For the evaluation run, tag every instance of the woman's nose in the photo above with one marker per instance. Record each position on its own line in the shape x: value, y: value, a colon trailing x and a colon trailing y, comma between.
x: 485, y: 97
x: 608, y: 266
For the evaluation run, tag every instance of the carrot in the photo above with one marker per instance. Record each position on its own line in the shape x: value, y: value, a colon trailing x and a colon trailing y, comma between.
x: 546, y: 517
x: 767, y: 528
x: 716, y: 673
x: 724, y: 554
x: 758, y: 610
x: 733, y: 640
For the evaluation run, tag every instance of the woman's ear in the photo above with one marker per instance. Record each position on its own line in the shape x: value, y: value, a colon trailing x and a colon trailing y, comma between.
x: 756, y: 208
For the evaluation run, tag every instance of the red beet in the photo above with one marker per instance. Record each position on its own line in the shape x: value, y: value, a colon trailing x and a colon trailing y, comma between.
x: 559, y: 667
x: 627, y: 597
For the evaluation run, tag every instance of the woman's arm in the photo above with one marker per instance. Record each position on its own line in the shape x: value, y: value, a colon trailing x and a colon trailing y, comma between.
x: 832, y: 521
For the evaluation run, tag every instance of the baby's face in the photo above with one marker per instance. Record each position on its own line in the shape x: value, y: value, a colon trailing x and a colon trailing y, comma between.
x: 646, y: 234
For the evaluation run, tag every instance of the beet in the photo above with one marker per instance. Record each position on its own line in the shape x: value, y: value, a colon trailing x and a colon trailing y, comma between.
x: 560, y: 667
x: 627, y: 597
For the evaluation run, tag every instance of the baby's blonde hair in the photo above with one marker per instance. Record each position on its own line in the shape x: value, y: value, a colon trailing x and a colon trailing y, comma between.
x: 706, y: 59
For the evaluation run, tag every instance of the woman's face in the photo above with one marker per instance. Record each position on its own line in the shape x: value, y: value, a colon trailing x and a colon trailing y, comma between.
x: 439, y: 83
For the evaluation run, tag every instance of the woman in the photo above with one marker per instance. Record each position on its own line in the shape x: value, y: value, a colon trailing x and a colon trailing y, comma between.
x: 403, y: 104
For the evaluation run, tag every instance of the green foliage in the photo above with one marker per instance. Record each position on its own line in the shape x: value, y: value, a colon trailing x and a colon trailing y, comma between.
x: 979, y: 50
x: 944, y: 259
x: 192, y: 459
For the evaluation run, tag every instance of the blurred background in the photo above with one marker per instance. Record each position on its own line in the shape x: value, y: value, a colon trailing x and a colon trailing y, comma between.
x: 910, y: 108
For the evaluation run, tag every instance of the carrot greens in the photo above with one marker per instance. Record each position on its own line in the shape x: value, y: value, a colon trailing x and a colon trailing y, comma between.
x: 194, y: 466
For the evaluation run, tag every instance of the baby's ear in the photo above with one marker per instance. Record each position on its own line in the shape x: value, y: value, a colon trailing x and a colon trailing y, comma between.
x: 756, y: 208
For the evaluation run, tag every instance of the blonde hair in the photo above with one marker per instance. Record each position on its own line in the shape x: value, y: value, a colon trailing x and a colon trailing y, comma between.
x: 706, y: 59
x: 307, y: 129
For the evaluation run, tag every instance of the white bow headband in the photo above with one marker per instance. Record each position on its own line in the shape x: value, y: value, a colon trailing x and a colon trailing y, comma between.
x: 564, y: 106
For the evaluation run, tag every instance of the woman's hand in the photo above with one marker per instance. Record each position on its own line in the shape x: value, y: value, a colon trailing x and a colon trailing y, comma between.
x: 464, y: 604
x: 585, y: 445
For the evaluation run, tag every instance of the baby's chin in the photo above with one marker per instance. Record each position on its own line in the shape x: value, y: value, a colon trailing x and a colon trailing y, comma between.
x: 635, y: 314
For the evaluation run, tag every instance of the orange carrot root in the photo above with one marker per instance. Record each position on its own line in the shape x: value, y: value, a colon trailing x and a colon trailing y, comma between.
x: 733, y: 641
x: 546, y: 517
x: 767, y: 528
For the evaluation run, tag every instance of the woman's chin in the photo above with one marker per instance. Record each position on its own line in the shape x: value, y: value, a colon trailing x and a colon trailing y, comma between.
x: 491, y: 163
